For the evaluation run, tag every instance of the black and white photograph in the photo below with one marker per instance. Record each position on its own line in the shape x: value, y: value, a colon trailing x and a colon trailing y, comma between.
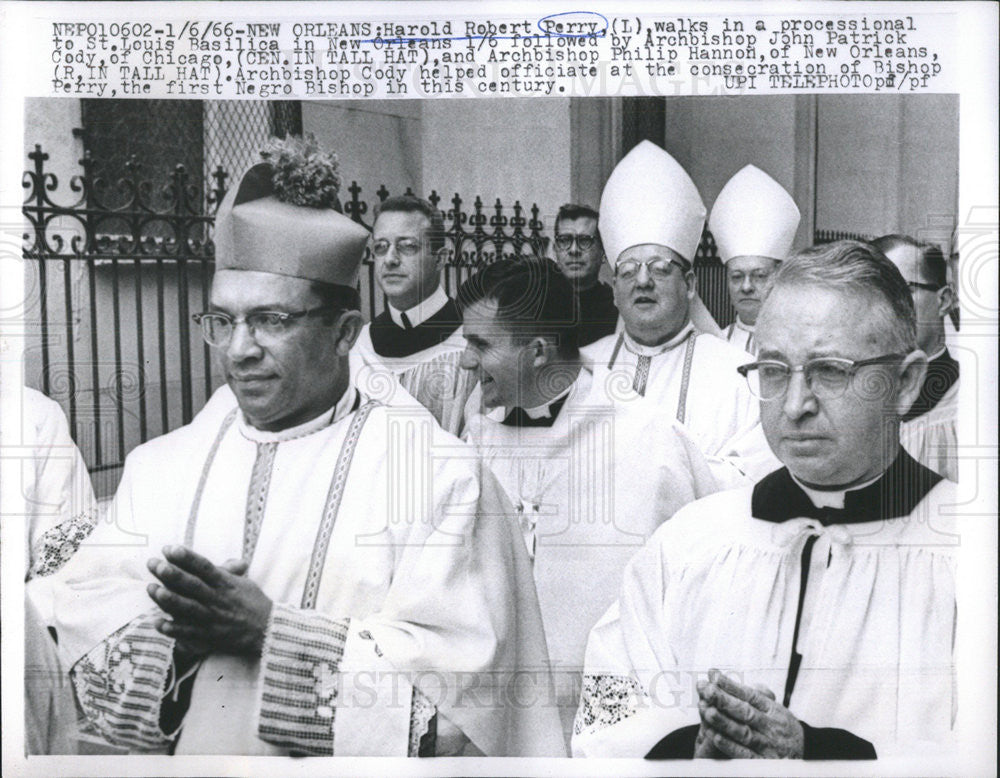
x: 494, y: 434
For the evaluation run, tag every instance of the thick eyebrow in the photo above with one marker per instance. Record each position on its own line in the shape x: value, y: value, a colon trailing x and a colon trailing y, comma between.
x: 475, y: 340
x: 267, y: 307
x: 418, y: 236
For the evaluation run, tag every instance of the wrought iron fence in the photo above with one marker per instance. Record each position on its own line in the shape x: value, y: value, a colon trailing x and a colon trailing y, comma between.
x: 116, y: 279
x: 829, y: 236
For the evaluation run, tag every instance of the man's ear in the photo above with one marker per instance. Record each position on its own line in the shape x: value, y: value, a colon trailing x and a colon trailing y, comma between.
x: 911, y: 378
x: 539, y: 348
x: 439, y: 258
x: 692, y: 284
x: 946, y: 300
x: 347, y: 328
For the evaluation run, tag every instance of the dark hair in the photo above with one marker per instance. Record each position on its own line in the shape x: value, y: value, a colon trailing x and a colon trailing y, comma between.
x: 413, y: 204
x: 336, y: 297
x: 932, y: 261
x: 533, y: 298
x: 575, y: 211
x: 857, y: 268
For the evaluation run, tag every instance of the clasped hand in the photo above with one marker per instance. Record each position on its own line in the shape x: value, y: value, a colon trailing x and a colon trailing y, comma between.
x: 744, y: 722
x: 212, y: 608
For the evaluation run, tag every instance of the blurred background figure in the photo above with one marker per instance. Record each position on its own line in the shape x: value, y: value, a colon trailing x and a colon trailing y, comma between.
x: 580, y: 256
x: 929, y: 430
x: 753, y: 221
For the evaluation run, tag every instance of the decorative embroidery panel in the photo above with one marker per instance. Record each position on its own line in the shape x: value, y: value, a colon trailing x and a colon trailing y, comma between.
x: 260, y: 483
x: 120, y: 684
x: 641, y: 375
x: 56, y: 545
x: 202, y: 480
x: 332, y: 505
x: 422, y: 734
x: 606, y: 700
x: 686, y: 378
x: 300, y: 683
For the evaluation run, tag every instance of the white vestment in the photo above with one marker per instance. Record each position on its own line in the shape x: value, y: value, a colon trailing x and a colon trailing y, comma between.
x: 423, y: 359
x: 929, y: 429
x: 692, y: 378
x: 590, y: 489
x: 718, y: 588
x: 400, y: 585
x: 742, y: 336
x: 932, y: 437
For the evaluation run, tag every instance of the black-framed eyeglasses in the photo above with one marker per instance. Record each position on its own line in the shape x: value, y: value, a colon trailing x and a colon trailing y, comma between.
x: 660, y: 268
x: 217, y: 327
x: 565, y: 240
x: 921, y: 285
x: 826, y: 377
x: 405, y: 247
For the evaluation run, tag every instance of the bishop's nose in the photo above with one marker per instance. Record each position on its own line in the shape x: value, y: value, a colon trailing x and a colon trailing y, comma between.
x: 468, y: 360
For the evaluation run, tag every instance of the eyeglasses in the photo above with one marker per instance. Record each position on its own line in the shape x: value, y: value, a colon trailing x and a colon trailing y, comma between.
x: 756, y: 276
x: 658, y: 268
x: 920, y: 285
x: 565, y: 240
x: 405, y: 247
x: 826, y: 377
x: 217, y: 328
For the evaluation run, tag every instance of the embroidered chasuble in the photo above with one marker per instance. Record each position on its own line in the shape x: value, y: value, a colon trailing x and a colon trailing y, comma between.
x: 590, y: 486
x: 691, y: 378
x: 929, y: 429
x: 421, y: 353
x: 400, y: 587
x: 842, y: 604
x: 742, y: 336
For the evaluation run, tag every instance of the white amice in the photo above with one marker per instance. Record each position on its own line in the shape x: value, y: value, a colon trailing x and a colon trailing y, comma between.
x: 714, y: 404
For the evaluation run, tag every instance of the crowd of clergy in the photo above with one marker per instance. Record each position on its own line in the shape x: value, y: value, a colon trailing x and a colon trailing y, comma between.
x: 563, y: 513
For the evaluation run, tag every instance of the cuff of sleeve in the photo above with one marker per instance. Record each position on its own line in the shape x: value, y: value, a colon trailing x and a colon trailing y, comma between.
x: 832, y: 743
x: 679, y: 744
x: 120, y: 684
x: 299, y: 668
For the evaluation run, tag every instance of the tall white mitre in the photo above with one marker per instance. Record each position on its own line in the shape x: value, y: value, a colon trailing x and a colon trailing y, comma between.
x: 753, y: 216
x: 650, y: 198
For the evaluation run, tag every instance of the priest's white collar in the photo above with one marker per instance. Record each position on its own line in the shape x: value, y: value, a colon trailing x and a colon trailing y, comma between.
x: 741, y: 325
x: 654, y: 351
x: 325, y: 419
x: 422, y: 311
x: 543, y: 411
x: 823, y: 498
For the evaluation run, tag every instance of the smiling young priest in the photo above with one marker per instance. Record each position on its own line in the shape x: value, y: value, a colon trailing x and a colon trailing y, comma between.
x: 303, y: 575
x: 812, y: 615
x: 590, y: 485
